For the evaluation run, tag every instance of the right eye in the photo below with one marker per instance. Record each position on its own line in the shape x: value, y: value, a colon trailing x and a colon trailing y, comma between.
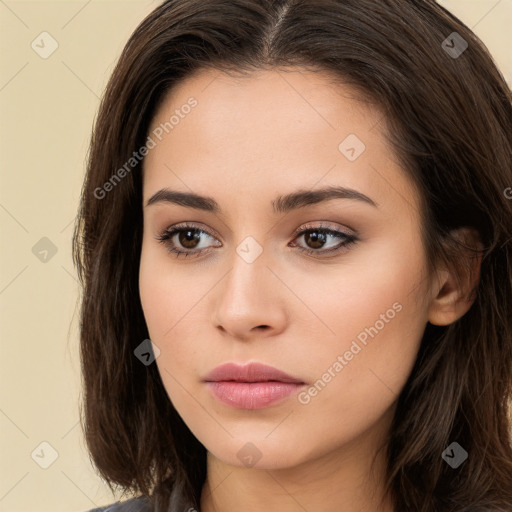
x: 184, y: 240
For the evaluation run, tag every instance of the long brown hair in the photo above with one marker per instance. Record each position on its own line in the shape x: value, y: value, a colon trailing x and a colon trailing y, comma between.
x: 450, y: 118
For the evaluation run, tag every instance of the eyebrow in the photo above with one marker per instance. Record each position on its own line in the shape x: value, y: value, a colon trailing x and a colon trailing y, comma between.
x: 282, y: 204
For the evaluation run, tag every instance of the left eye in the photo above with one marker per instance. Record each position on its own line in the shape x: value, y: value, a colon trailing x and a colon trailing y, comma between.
x: 186, y: 240
x: 318, y: 237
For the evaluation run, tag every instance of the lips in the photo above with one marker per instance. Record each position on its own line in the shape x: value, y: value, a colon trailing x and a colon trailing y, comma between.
x: 253, y: 386
x: 253, y: 372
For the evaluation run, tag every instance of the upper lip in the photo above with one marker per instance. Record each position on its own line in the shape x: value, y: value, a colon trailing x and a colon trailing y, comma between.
x: 252, y: 372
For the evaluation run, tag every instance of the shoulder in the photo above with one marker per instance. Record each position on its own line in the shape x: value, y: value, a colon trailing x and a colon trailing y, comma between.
x: 140, y: 504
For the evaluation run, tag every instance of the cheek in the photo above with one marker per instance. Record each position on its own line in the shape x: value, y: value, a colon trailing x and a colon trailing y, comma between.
x: 161, y: 304
x: 375, y: 310
x: 151, y: 292
x: 354, y: 294
x: 165, y: 303
x: 160, y: 292
x: 169, y: 300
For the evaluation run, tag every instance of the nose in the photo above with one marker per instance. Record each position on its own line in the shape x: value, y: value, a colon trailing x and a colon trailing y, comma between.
x: 249, y: 301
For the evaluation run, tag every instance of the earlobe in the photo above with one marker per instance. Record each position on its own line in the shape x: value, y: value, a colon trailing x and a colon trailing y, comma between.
x: 449, y: 305
x: 457, y: 286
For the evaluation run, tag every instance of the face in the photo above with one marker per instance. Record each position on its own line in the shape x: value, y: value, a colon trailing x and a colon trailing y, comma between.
x: 329, y: 288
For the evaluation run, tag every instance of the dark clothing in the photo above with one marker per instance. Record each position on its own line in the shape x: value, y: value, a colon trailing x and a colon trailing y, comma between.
x: 140, y: 504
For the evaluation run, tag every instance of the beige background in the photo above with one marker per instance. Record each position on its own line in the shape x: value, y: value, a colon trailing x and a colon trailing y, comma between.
x: 47, y: 107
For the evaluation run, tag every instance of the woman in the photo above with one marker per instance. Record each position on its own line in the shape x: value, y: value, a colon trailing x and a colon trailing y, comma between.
x: 295, y: 238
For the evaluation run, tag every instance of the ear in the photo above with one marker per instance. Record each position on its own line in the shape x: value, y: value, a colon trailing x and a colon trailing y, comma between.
x: 454, y: 292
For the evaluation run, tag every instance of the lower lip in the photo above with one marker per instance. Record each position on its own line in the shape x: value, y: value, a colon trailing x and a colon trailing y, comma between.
x: 252, y: 395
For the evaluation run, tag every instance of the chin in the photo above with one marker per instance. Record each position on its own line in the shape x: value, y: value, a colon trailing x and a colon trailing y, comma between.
x: 256, y: 452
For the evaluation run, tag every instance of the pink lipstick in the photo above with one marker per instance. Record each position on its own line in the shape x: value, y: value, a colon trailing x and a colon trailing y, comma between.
x: 252, y: 386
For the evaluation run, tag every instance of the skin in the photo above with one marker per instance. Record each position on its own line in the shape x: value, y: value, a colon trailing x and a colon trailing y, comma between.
x: 247, y: 141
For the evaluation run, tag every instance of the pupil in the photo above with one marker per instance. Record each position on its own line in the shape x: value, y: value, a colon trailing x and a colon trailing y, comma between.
x: 189, y: 238
x: 317, y: 238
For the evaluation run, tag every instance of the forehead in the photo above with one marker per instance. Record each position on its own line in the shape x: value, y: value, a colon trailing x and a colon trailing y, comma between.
x: 273, y: 130
x: 278, y: 102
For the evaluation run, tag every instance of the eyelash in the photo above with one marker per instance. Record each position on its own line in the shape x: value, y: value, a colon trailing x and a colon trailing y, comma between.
x: 166, y: 238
